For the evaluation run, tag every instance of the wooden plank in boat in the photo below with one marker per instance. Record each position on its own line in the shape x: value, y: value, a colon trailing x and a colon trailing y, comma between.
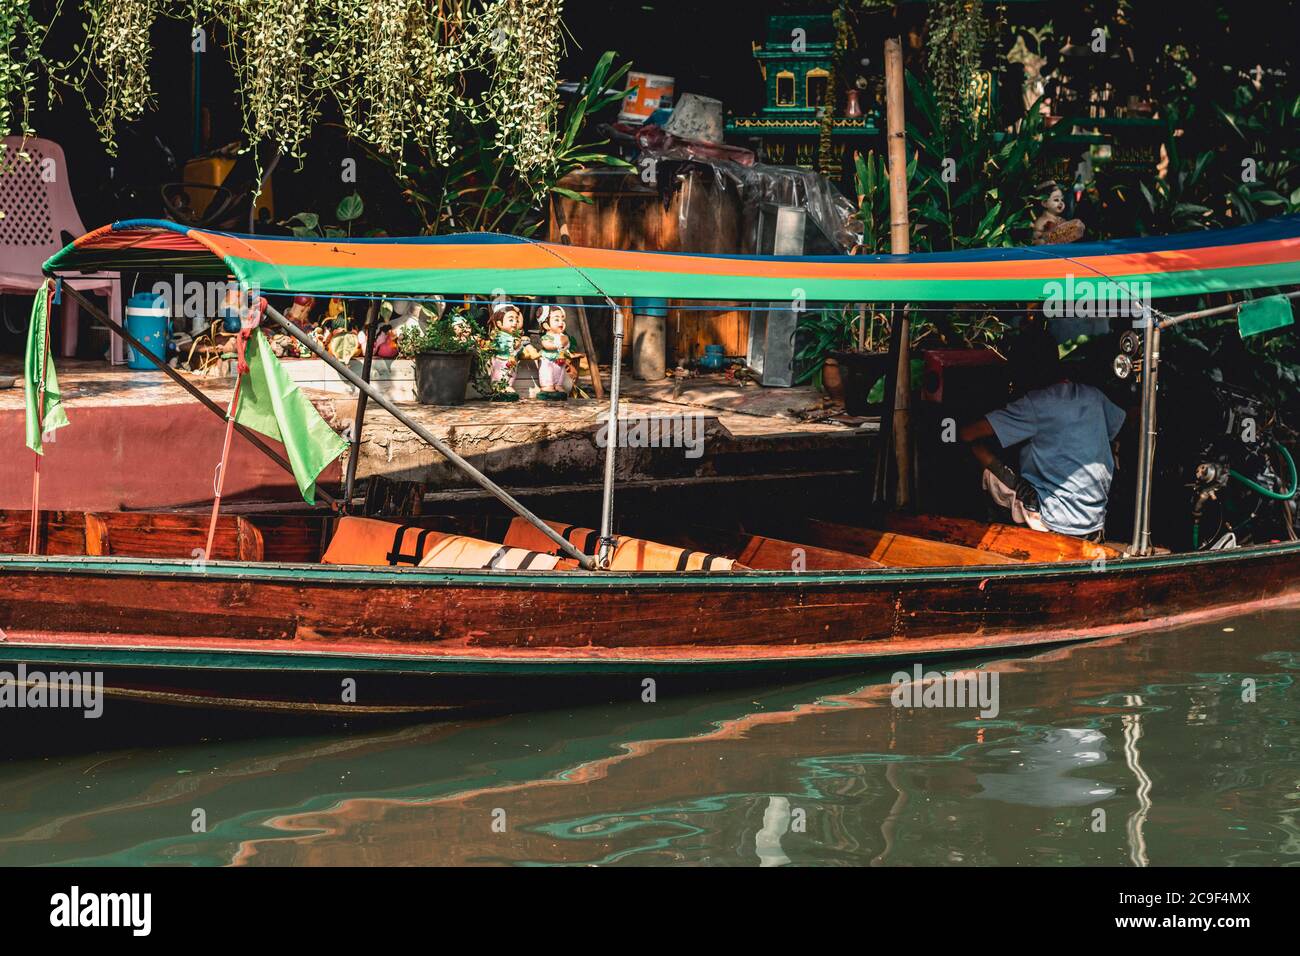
x: 60, y: 532
x: 775, y: 554
x: 97, y: 541
x: 282, y: 538
x: 890, y: 548
x: 1013, y: 541
x: 763, y: 553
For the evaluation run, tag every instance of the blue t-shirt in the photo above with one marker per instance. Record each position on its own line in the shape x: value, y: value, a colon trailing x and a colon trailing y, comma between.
x: 1067, y: 429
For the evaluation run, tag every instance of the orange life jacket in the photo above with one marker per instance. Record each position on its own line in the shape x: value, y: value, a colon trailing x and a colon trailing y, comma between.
x: 630, y: 554
x: 458, y: 551
x: 370, y: 541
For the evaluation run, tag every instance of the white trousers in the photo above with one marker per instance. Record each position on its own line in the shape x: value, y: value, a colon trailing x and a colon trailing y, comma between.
x: 1005, y: 497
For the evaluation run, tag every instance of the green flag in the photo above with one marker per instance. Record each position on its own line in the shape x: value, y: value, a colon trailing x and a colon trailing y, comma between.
x: 40, y: 384
x: 1264, y: 315
x: 270, y: 403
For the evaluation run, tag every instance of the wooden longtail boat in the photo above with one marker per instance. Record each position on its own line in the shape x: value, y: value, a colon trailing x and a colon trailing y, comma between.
x: 281, y: 610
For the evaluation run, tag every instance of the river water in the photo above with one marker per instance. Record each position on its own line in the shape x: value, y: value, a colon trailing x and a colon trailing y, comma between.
x: 1181, y: 747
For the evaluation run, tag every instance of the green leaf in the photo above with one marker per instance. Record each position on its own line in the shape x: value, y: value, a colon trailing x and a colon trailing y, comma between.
x: 570, y: 194
x: 350, y: 208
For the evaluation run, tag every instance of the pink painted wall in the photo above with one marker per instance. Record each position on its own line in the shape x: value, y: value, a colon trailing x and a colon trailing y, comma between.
x: 135, y: 456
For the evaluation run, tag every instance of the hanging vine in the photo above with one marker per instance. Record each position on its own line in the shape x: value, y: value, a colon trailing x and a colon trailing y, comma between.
x: 115, y: 57
x: 21, y: 62
x: 401, y: 72
x: 272, y: 45
x: 956, y: 33
x: 526, y: 43
x: 828, y: 163
x: 396, y: 67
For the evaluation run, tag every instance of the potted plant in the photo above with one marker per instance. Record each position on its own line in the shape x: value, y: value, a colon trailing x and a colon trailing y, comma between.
x: 832, y: 361
x: 444, y: 348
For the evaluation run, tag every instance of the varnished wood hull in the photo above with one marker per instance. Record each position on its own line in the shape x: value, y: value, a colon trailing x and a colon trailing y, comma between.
x: 273, y: 635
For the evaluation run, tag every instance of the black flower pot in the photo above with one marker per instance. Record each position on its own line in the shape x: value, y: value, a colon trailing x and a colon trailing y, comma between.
x: 442, y: 377
x: 860, y: 371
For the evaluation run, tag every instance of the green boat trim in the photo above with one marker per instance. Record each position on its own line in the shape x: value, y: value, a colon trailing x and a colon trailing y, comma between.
x: 369, y: 576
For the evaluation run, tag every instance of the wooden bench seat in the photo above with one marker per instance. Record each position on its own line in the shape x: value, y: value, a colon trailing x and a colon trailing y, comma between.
x: 1013, y: 541
x: 889, y: 548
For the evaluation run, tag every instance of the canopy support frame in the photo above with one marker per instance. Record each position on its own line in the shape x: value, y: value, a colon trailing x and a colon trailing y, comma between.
x: 1147, y: 437
x: 586, y: 561
x: 606, y: 547
x: 102, y: 317
x: 359, y: 419
x: 1154, y: 323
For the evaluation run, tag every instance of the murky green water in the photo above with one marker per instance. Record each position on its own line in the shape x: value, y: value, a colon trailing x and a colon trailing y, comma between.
x: 1145, y: 750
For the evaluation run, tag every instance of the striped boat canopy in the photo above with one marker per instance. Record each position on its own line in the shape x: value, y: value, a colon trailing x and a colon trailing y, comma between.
x: 1258, y: 255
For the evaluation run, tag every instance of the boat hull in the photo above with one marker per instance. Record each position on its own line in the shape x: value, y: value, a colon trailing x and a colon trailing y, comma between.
x: 235, y: 633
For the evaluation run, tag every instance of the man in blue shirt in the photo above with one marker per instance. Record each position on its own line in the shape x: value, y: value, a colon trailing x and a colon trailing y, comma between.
x: 1067, y: 430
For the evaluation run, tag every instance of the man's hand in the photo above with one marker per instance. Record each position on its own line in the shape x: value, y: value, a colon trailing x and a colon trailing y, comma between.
x: 1027, y: 496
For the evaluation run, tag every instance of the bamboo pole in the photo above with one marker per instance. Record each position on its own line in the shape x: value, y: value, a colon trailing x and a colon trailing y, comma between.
x: 102, y: 317
x: 34, y: 540
x: 221, y: 473
x: 899, y: 244
x: 593, y: 366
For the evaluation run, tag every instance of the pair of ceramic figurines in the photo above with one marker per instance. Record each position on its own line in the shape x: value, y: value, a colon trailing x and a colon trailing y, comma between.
x: 507, y: 342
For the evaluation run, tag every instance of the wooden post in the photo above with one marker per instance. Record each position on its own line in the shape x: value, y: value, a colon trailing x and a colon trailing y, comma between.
x: 359, y: 419
x: 899, y: 244
x: 220, y: 483
x: 593, y: 366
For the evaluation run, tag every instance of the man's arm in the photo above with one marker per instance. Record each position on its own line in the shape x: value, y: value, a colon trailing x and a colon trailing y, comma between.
x: 977, y: 435
x: 980, y: 428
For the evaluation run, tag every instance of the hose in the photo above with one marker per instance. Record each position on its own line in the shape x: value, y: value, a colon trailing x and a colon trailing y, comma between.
x: 1266, y: 492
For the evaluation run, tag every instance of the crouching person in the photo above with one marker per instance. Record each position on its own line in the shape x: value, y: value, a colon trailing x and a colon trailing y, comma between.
x: 1066, y: 431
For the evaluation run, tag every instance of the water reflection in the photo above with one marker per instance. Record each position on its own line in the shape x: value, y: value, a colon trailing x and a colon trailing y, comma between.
x: 1124, y: 752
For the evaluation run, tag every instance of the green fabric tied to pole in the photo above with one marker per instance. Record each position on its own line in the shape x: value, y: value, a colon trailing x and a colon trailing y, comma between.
x: 271, y: 403
x: 1264, y: 315
x: 40, y: 385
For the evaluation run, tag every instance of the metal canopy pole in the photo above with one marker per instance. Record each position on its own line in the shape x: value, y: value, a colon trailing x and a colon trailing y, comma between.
x: 606, y: 549
x: 1166, y: 321
x: 360, y: 418
x: 378, y: 397
x: 1147, y: 439
x: 102, y: 317
x: 1155, y: 322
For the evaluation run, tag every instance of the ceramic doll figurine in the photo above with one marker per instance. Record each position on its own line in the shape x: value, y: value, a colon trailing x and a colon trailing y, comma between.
x: 385, y: 343
x: 1049, y: 227
x: 554, y: 354
x: 504, y: 344
x: 300, y: 312
x: 461, y: 326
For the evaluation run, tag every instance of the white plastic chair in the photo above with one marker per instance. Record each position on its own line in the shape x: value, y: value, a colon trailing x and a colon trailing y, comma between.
x: 36, y: 199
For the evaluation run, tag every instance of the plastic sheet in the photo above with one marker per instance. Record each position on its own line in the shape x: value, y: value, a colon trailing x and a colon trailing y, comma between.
x: 759, y: 185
